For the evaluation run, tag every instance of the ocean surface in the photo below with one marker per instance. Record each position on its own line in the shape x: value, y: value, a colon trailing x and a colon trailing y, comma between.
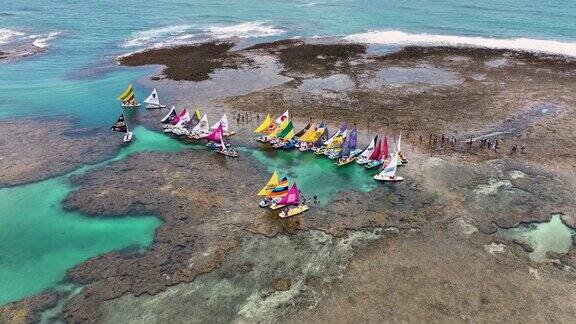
x: 76, y: 78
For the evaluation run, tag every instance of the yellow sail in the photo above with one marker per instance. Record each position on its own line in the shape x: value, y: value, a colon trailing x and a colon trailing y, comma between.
x: 272, y: 183
x: 336, y: 142
x: 289, y: 136
x: 279, y: 129
x: 127, y: 95
x: 265, y: 124
x: 317, y: 134
x: 308, y: 134
x: 198, y: 114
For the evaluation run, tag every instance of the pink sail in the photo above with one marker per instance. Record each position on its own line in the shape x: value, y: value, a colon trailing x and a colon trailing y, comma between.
x: 216, y: 135
x: 292, y: 198
x: 177, y: 119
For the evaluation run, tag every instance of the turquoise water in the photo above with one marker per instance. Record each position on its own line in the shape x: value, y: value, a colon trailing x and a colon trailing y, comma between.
x: 552, y: 235
x: 77, y: 78
x: 317, y: 175
x: 39, y: 240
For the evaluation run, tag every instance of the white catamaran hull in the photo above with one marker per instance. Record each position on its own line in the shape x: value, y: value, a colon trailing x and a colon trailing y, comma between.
x: 387, y: 178
x: 131, y: 105
x: 128, y: 137
x: 155, y: 106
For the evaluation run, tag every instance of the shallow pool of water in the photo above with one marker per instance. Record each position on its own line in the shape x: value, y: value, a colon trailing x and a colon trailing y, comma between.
x: 40, y: 241
x: 553, y: 235
x: 317, y: 175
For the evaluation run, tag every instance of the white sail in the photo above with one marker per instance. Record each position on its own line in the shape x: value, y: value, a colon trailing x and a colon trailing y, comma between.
x: 185, y: 118
x: 202, y: 127
x: 153, y: 98
x: 390, y: 169
x: 165, y: 119
x: 345, y: 133
x: 282, y: 117
x: 223, y: 121
x: 398, y: 149
x: 368, y: 151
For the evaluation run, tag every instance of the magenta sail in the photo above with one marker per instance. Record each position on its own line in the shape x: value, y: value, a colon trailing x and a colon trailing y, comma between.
x: 216, y: 135
x: 292, y: 198
x: 177, y: 119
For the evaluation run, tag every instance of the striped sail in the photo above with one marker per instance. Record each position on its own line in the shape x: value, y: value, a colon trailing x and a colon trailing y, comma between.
x: 281, y: 189
x: 127, y: 95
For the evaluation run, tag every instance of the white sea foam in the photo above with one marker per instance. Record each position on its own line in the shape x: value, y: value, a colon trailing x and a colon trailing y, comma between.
x: 394, y: 37
x: 152, y: 36
x: 41, y: 41
x: 244, y: 30
x: 16, y: 38
x: 6, y: 35
x: 309, y: 4
x: 188, y: 34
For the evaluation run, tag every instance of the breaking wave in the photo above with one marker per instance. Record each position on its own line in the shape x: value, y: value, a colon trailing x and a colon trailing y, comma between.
x: 523, y: 44
x: 154, y: 36
x: 16, y: 44
x: 244, y: 30
x: 7, y: 35
x: 188, y: 34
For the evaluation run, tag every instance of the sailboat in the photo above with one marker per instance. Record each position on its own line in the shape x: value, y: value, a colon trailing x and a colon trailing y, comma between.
x: 303, y: 130
x: 177, y: 124
x: 169, y: 116
x: 278, y: 192
x: 226, y: 150
x: 401, y: 158
x: 215, y: 137
x: 325, y: 144
x: 306, y: 140
x: 365, y: 155
x: 324, y: 136
x: 127, y: 98
x: 384, y: 155
x: 224, y: 122
x: 346, y: 154
x: 267, y: 189
x: 153, y: 101
x: 273, y: 138
x: 121, y: 127
x: 201, y: 129
x: 292, y: 198
x: 389, y: 171
x: 285, y: 136
x: 267, y: 126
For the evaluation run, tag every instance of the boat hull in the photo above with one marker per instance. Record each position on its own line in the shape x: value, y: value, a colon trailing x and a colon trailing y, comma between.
x: 372, y: 164
x: 346, y: 161
x: 155, y: 106
x: 128, y: 137
x: 228, y: 153
x: 293, y: 211
x: 130, y: 106
x: 387, y: 179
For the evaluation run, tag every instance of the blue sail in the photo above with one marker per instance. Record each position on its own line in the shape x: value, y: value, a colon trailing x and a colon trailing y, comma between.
x: 352, y: 138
